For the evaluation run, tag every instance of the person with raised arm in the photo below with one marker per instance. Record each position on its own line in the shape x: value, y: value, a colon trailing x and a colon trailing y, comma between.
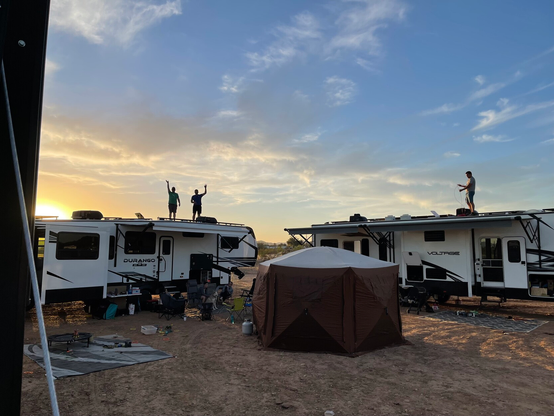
x: 196, y: 201
x: 173, y: 200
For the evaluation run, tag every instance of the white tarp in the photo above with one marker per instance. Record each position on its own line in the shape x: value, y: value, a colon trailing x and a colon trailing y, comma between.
x: 326, y: 258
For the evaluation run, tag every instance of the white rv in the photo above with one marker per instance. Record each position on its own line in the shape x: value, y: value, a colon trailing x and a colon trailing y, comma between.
x: 79, y: 259
x: 506, y: 254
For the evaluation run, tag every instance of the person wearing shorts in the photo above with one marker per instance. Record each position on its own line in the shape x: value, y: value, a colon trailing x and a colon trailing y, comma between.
x: 173, y: 200
x: 470, y: 192
x: 196, y: 201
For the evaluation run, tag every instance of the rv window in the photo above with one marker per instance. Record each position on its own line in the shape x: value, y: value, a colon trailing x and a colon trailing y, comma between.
x: 166, y: 247
x: 111, y: 253
x: 514, y: 253
x: 348, y: 245
x: 77, y: 246
x: 383, y: 248
x: 491, y: 248
x: 365, y: 246
x: 229, y: 243
x: 433, y: 235
x: 433, y: 273
x: 330, y: 243
x: 415, y: 273
x: 137, y: 242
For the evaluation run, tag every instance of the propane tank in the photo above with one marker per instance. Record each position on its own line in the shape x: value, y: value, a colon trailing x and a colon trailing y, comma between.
x: 247, y: 327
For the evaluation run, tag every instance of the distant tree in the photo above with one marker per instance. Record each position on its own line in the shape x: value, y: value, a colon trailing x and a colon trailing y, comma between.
x: 293, y: 243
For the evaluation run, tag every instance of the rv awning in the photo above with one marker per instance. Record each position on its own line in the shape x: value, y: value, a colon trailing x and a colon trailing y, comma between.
x: 189, y: 228
x: 453, y: 223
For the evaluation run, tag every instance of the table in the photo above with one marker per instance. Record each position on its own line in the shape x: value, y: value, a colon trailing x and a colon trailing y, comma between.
x: 70, y: 338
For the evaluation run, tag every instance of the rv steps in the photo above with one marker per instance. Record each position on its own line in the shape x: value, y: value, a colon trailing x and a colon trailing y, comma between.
x: 500, y: 298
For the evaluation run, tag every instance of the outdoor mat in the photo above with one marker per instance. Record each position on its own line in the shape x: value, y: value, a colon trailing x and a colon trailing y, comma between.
x: 488, y: 321
x: 102, y: 354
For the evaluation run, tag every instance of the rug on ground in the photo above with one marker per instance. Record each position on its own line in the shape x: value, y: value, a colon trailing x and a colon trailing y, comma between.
x: 102, y: 354
x: 495, y: 322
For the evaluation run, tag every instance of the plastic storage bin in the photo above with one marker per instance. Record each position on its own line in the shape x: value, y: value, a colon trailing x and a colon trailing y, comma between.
x: 148, y: 329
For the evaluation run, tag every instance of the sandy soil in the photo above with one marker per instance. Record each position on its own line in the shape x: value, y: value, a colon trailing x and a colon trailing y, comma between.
x: 449, y: 369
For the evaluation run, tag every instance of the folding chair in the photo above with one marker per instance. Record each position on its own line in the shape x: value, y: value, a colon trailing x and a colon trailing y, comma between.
x: 171, y: 306
x: 248, y: 293
x: 237, y: 308
x: 417, y: 298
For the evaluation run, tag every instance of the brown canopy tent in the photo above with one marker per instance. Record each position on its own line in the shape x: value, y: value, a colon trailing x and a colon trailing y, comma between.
x: 327, y: 299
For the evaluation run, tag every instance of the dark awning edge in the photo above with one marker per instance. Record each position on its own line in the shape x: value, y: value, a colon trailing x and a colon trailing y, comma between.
x: 454, y: 223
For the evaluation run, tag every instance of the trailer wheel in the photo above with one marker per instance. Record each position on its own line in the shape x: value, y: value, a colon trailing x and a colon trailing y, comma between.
x: 443, y: 298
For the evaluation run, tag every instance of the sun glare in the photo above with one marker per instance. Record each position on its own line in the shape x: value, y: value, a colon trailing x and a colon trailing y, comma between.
x: 50, y: 210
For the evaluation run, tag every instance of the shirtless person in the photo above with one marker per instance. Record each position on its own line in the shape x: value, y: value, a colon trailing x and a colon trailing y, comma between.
x: 173, y: 199
x: 470, y: 192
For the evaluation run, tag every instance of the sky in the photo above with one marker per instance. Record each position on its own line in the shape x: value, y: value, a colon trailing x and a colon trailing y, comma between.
x: 297, y: 112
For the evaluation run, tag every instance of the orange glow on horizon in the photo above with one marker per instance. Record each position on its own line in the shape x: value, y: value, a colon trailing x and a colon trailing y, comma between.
x: 48, y: 208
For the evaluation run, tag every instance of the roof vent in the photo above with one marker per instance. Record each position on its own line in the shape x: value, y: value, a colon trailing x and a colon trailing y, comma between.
x: 357, y: 218
x: 406, y: 217
x: 390, y: 218
x: 87, y: 215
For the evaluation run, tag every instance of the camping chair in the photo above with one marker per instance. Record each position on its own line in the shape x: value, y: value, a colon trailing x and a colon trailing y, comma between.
x: 248, y: 293
x: 237, y: 308
x: 417, y: 298
x: 171, y: 306
x: 193, y: 294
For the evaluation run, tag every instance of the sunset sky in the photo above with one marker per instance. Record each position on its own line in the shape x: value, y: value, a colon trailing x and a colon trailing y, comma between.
x: 297, y: 112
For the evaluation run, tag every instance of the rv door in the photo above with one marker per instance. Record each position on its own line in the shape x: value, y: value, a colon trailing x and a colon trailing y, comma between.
x: 515, y: 262
x: 165, y: 259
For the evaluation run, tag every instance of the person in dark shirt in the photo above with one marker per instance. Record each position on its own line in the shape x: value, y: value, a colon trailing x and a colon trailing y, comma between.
x: 227, y: 292
x: 196, y: 201
x: 173, y: 200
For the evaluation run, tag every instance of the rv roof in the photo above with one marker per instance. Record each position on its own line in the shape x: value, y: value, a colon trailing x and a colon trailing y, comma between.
x: 427, y: 223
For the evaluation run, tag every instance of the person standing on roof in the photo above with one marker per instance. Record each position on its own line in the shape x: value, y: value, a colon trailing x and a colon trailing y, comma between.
x: 470, y: 192
x: 173, y: 200
x: 196, y: 201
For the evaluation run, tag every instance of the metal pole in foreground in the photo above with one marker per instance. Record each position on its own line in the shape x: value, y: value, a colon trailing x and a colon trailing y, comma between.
x: 29, y: 250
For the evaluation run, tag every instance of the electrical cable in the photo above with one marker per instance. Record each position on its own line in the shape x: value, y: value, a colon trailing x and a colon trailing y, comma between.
x: 29, y: 250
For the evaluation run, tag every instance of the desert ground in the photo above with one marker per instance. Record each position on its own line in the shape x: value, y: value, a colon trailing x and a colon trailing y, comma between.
x: 446, y: 369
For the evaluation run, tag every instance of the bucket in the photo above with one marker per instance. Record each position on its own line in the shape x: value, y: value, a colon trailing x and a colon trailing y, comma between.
x: 131, y: 308
x: 247, y: 327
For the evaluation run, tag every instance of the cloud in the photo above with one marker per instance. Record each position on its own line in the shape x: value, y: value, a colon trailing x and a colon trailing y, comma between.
x: 491, y: 118
x: 485, y: 92
x: 51, y: 67
x: 367, y: 65
x: 549, y: 141
x: 291, y: 42
x: 358, y: 25
x: 340, y: 91
x: 228, y: 114
x: 101, y: 21
x: 486, y: 138
x: 540, y: 88
x: 443, y: 109
x: 310, y: 137
x: 479, y: 79
x: 451, y: 154
x: 231, y: 85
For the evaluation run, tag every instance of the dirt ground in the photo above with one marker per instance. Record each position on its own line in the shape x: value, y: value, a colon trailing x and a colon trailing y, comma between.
x: 449, y: 369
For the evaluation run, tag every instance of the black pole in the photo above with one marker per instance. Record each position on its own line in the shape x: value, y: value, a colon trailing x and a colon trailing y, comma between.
x: 23, y: 29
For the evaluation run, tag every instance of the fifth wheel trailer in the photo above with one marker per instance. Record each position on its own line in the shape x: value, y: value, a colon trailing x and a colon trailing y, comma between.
x: 507, y: 254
